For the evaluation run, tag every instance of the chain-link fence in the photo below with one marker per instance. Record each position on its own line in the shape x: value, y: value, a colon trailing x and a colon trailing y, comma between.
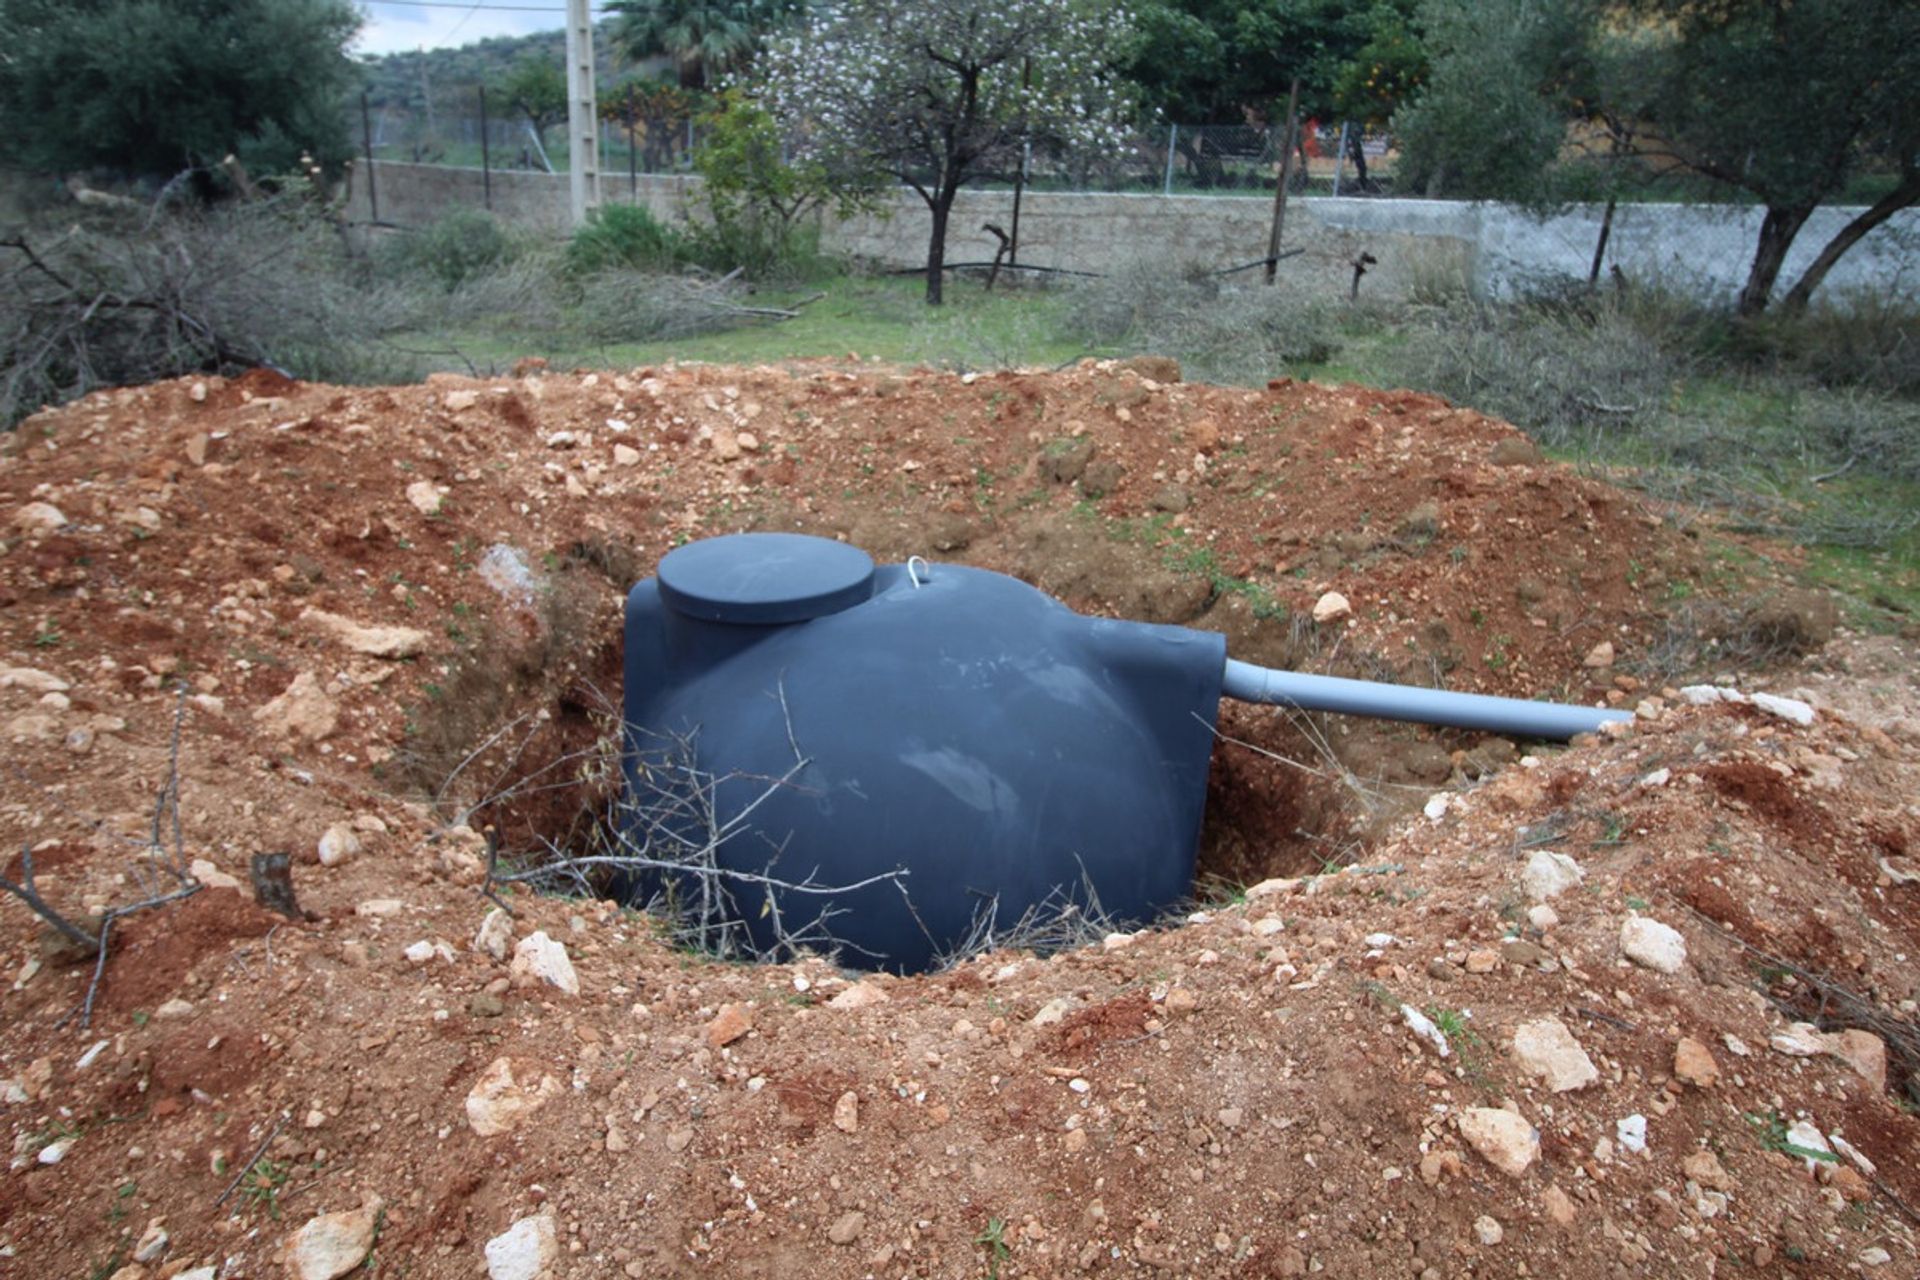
x: 485, y: 131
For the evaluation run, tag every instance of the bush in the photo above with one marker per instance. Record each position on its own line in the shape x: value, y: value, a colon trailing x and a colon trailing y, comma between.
x: 122, y: 302
x: 1564, y: 370
x: 460, y: 246
x: 1869, y: 340
x: 1223, y: 332
x: 625, y: 236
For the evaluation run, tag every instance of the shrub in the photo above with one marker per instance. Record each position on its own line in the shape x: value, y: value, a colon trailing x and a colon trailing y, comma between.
x: 624, y: 236
x: 1565, y: 370
x: 458, y: 247
x: 1225, y: 332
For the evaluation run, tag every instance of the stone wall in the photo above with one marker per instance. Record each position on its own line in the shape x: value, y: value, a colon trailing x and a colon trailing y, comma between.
x: 1419, y: 245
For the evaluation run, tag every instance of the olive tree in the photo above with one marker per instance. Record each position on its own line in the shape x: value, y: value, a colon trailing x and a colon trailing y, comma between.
x: 942, y: 95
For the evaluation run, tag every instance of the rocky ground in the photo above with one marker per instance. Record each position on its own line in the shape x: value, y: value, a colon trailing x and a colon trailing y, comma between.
x: 1446, y: 1005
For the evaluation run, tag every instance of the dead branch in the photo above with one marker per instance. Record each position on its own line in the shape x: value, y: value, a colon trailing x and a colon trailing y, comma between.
x: 30, y: 895
x: 252, y: 1160
x: 106, y: 927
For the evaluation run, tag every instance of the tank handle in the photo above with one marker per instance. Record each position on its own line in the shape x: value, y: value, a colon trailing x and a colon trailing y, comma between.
x: 914, y: 575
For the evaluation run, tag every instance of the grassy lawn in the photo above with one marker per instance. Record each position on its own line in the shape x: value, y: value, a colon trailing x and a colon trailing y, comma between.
x: 883, y: 318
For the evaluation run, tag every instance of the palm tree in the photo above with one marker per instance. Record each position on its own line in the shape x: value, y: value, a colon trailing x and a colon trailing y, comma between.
x: 705, y: 38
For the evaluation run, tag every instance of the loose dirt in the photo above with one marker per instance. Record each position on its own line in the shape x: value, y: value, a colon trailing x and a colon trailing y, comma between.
x: 1237, y: 1093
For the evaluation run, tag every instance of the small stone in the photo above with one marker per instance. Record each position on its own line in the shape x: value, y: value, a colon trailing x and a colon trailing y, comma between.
x: 1180, y: 1002
x: 1550, y: 874
x: 39, y: 517
x: 374, y: 642
x: 211, y: 876
x: 1423, y: 1026
x: 1865, y: 1052
x: 56, y: 1151
x: 847, y: 1227
x: 860, y: 995
x: 1631, y: 1133
x: 1653, y: 945
x: 495, y: 934
x: 173, y: 1010
x: 527, y: 1250
x: 460, y: 401
x: 197, y: 448
x: 505, y: 1097
x: 749, y: 442
x: 332, y: 1244
x: 337, y: 844
x: 846, y: 1112
x: 625, y: 455
x: 726, y: 445
x: 1503, y: 1139
x: 1875, y: 1256
x: 303, y: 710
x: 33, y: 680
x: 1799, y: 1040
x: 1267, y: 926
x: 1542, y: 917
x: 1488, y: 1231
x: 1331, y: 607
x: 1693, y: 1064
x: 1482, y: 960
x: 426, y: 497
x: 153, y: 1241
x: 1704, y: 1167
x: 1791, y: 709
x: 1548, y: 1051
x: 379, y: 908
x: 1600, y: 656
x: 1559, y: 1206
x: 730, y: 1024
x: 1802, y: 1134
x: 1171, y: 498
x: 538, y: 956
x: 484, y: 1004
x: 1853, y: 1153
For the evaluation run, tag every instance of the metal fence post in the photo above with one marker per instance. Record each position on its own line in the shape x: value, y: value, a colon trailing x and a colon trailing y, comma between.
x: 1340, y: 163
x: 366, y: 138
x: 486, y: 155
x: 1173, y: 137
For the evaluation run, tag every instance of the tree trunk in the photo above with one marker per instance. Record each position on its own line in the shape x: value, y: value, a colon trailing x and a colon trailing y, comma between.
x: 941, y: 205
x: 1359, y: 153
x: 1902, y: 196
x: 1777, y: 231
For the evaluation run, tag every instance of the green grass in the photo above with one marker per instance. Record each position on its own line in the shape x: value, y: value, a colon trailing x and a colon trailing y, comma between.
x: 881, y: 318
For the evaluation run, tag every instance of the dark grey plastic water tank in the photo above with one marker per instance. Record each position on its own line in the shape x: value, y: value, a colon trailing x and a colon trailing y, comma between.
x: 956, y: 723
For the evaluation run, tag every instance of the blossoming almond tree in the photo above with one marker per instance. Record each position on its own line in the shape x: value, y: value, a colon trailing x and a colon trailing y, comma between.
x: 939, y: 95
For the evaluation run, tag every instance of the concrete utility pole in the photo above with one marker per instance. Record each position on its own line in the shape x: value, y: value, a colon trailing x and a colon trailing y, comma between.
x: 583, y: 124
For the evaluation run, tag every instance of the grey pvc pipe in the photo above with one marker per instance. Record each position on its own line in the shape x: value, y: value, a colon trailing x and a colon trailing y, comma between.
x: 1518, y: 716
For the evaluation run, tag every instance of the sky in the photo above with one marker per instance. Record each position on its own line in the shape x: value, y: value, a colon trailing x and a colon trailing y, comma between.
x: 392, y: 27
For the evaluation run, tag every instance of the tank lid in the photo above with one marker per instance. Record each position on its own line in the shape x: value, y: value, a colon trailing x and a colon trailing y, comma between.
x: 764, y: 579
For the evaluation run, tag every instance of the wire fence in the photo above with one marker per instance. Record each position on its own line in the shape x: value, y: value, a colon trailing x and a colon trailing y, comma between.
x: 1173, y: 159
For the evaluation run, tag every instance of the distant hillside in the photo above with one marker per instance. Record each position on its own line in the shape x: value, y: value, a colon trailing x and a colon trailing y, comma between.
x: 403, y: 81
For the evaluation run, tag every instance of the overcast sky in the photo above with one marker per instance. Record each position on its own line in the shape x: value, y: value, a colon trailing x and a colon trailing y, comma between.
x: 393, y: 27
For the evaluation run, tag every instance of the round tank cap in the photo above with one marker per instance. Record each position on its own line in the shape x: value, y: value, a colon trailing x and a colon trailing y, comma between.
x: 764, y: 579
